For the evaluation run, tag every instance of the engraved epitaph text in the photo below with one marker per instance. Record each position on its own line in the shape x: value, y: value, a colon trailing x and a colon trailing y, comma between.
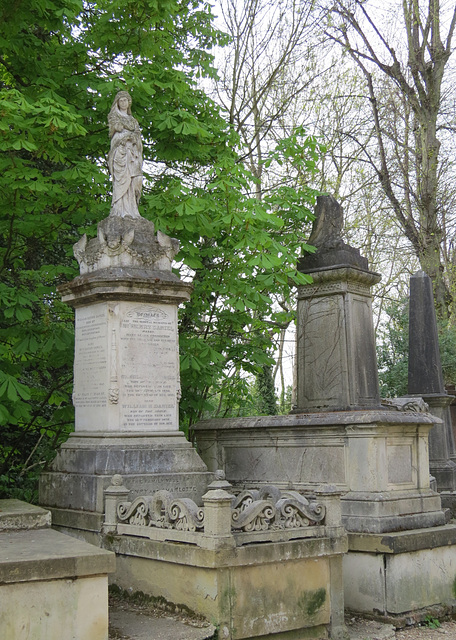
x: 91, y: 357
x: 149, y: 367
x: 126, y: 367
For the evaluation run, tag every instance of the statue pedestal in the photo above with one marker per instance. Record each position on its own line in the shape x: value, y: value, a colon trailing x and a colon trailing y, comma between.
x: 126, y: 378
x: 336, y: 360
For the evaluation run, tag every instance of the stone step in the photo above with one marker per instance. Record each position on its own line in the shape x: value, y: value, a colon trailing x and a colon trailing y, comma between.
x: 16, y: 515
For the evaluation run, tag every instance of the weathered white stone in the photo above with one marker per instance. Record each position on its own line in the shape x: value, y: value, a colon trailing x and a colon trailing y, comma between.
x: 256, y: 591
x: 55, y: 609
x: 52, y: 587
x: 125, y: 158
x: 126, y: 373
x: 17, y: 515
x: 395, y: 573
x: 336, y: 362
x: 378, y: 459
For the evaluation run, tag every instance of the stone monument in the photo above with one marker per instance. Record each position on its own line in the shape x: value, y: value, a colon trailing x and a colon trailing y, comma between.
x: 340, y: 433
x: 425, y: 379
x: 126, y: 367
x: 336, y: 360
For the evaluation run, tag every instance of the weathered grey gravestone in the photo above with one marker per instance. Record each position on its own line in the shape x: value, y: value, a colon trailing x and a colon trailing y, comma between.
x: 336, y: 360
x: 339, y: 433
x: 425, y: 379
x: 126, y: 367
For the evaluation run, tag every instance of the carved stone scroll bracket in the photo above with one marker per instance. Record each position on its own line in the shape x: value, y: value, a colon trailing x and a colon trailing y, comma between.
x: 272, y: 509
x: 126, y: 242
x: 407, y: 403
x: 163, y: 511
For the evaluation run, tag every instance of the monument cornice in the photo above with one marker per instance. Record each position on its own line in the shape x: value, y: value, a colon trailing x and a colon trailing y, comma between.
x: 342, y: 272
x: 125, y: 283
x: 352, y: 419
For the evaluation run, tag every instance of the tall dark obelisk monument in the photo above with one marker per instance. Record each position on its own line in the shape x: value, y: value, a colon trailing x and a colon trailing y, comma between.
x: 425, y: 379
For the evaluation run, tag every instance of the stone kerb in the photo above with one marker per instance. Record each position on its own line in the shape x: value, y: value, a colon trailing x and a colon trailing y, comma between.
x: 284, y: 547
x: 51, y: 585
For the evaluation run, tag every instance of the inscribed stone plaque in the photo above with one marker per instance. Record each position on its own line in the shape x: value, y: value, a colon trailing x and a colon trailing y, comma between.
x: 279, y: 464
x: 149, y: 367
x: 400, y: 464
x: 126, y: 367
x: 90, y: 395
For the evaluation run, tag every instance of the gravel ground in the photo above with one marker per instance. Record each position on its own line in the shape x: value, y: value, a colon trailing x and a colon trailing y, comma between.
x: 447, y: 629
x: 361, y: 629
x: 144, y: 607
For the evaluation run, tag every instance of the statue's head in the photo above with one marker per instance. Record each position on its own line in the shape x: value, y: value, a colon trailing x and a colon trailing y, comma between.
x: 122, y: 102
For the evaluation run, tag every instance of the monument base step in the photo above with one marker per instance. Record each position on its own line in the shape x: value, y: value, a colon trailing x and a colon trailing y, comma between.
x: 85, y: 464
x: 372, y: 512
x: 400, y: 572
x: 85, y: 492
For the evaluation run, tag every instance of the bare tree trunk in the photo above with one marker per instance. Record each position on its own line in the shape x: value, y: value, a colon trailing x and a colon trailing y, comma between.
x: 418, y: 80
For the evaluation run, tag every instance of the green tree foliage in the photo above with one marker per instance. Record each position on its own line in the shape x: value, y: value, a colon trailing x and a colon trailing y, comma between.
x: 61, y: 63
x: 392, y: 352
x: 267, y: 400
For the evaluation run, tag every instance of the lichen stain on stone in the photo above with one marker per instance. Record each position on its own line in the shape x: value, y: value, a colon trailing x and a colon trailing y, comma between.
x: 311, y: 601
x: 454, y: 587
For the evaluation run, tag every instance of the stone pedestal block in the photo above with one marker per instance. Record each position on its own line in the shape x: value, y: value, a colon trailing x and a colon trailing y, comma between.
x: 378, y: 459
x: 395, y: 574
x: 267, y: 591
x: 52, y: 587
x: 126, y: 367
x: 336, y: 360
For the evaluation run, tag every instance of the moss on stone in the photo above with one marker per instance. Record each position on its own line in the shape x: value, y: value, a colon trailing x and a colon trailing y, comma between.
x: 311, y: 601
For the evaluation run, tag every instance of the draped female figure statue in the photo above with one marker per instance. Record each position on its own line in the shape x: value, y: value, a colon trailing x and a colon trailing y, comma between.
x: 125, y: 158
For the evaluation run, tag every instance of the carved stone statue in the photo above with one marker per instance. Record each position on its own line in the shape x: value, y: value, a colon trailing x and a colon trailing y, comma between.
x: 125, y: 158
x: 125, y: 239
